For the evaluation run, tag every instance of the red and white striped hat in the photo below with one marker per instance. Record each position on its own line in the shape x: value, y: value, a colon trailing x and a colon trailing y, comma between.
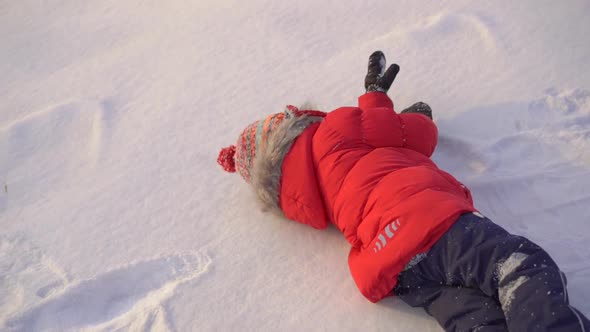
x: 240, y: 157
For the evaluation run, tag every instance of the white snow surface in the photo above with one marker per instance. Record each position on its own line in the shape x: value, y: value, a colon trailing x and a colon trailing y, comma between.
x: 116, y: 216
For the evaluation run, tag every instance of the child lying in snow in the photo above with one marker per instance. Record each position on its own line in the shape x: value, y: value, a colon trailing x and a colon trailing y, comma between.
x: 413, y: 228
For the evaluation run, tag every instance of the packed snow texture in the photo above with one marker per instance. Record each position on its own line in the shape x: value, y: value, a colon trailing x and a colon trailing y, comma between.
x: 509, y: 265
x: 115, y: 215
x: 506, y: 292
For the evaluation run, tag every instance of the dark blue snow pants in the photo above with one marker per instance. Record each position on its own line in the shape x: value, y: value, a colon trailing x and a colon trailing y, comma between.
x: 478, y: 277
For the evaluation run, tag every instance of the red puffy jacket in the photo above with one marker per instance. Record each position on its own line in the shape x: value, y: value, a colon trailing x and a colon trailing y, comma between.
x: 368, y: 171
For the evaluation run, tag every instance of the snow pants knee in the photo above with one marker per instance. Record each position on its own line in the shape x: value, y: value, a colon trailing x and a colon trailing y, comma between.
x: 479, y: 277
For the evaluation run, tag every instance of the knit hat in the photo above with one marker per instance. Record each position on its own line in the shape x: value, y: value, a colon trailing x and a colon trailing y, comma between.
x: 253, y: 140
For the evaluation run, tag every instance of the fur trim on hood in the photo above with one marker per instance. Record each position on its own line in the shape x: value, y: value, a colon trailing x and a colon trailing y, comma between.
x: 267, y: 165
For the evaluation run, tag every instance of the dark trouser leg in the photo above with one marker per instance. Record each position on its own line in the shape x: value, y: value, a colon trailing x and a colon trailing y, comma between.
x: 455, y: 308
x: 476, y: 253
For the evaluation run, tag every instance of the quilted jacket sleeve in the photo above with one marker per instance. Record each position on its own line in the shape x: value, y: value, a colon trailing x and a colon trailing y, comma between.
x: 420, y: 133
x: 375, y: 100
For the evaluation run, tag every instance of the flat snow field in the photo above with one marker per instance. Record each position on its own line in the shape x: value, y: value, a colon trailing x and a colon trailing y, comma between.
x: 115, y: 216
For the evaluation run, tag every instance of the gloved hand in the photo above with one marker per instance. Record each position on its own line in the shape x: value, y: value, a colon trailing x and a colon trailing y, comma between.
x: 377, y: 78
x: 419, y: 107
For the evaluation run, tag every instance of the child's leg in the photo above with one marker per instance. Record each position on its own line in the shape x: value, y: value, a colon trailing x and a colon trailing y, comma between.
x: 476, y: 253
x: 455, y: 308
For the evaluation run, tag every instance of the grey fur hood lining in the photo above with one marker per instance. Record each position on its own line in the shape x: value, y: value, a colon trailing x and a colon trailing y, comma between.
x: 267, y: 165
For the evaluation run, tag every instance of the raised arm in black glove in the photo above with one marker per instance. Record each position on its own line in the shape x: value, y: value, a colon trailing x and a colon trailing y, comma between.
x: 379, y: 79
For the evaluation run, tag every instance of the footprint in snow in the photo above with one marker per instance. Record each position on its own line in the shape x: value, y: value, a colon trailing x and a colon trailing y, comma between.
x: 130, y: 297
x: 27, y: 275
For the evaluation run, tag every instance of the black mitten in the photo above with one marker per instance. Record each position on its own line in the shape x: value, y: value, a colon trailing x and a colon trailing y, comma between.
x: 419, y: 107
x: 377, y: 78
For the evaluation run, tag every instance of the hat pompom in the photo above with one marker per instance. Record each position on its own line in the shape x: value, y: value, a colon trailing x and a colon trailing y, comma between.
x: 226, y: 159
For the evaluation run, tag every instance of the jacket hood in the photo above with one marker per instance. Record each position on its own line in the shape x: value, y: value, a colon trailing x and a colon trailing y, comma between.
x: 267, y: 165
